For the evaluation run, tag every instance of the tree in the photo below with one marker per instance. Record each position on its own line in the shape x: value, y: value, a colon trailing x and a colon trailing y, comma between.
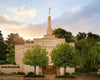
x: 93, y: 36
x: 10, y: 57
x: 61, y: 33
x: 81, y: 35
x: 14, y: 39
x: 29, y: 41
x: 63, y: 55
x: 87, y: 53
x: 3, y: 50
x: 93, y: 58
x: 84, y: 46
x: 36, y: 56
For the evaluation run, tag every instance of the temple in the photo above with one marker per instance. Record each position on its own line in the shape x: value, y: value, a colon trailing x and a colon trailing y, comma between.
x: 49, y: 41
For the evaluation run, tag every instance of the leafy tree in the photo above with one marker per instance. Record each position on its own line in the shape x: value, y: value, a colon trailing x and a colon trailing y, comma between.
x: 36, y: 56
x: 63, y: 55
x: 1, y: 38
x: 29, y: 41
x: 81, y: 35
x: 10, y: 57
x: 3, y: 50
x: 87, y: 57
x: 93, y: 58
x: 61, y: 33
x: 93, y: 36
x: 14, y: 39
x: 84, y: 46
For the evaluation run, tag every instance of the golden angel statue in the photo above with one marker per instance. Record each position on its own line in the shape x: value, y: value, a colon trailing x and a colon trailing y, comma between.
x: 49, y: 10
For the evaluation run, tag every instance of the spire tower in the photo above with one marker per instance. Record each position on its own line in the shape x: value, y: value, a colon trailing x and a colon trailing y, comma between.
x: 49, y: 29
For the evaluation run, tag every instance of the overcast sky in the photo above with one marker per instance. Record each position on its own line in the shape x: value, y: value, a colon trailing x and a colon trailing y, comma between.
x: 29, y: 17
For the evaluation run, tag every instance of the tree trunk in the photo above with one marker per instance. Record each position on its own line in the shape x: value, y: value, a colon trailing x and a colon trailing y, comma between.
x: 35, y: 69
x: 64, y: 70
x: 56, y: 71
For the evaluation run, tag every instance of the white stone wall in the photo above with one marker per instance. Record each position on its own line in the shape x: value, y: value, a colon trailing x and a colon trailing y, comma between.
x: 70, y: 70
x: 61, y: 71
x: 9, y: 70
x: 28, y: 68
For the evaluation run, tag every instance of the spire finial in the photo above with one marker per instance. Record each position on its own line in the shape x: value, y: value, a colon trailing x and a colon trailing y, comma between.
x: 49, y: 11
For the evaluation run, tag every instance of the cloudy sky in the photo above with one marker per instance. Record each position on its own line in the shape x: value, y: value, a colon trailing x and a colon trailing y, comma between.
x: 29, y: 17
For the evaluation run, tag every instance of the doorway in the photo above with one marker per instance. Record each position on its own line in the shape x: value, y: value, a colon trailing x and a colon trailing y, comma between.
x: 49, y: 70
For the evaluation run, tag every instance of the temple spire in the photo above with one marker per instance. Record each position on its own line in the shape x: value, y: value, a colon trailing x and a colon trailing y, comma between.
x: 49, y: 29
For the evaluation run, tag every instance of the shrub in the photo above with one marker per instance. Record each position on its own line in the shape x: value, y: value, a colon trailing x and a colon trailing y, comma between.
x: 2, y: 62
x: 67, y: 73
x: 13, y: 73
x: 85, y: 74
x: 14, y: 63
x: 4, y: 67
x: 10, y: 67
x: 34, y: 76
x: 20, y: 73
x: 31, y: 73
x: 2, y: 73
x: 65, y: 76
x: 82, y: 70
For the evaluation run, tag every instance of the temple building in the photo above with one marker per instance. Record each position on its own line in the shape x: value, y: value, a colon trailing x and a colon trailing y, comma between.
x: 49, y: 41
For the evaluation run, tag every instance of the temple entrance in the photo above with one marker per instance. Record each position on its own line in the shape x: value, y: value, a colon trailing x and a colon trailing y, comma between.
x: 49, y: 70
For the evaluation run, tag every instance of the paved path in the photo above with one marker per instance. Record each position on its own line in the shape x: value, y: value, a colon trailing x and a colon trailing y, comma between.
x: 46, y: 78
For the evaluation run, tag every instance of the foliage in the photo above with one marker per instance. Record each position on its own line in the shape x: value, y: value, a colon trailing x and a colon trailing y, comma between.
x: 84, y: 46
x: 30, y: 73
x: 2, y: 62
x: 13, y: 73
x: 10, y: 67
x: 93, y: 36
x: 89, y: 35
x: 29, y: 41
x: 63, y: 55
x: 37, y: 56
x: 61, y: 33
x: 67, y: 73
x: 93, y: 58
x: 20, y: 73
x: 82, y: 70
x: 89, y: 52
x: 65, y: 76
x: 14, y: 39
x: 85, y: 74
x: 10, y: 57
x: 80, y: 36
x: 34, y: 76
x: 3, y: 50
